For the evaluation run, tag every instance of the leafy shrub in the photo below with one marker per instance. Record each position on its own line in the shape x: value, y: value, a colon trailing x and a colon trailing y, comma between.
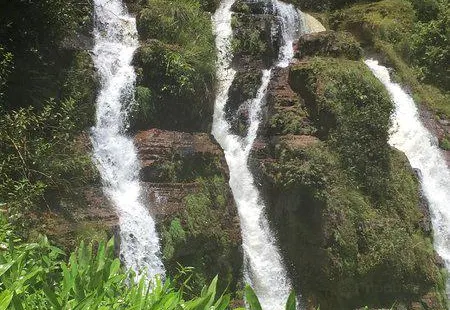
x: 176, y: 65
x: 444, y: 143
x: 37, y: 276
x: 429, y: 50
x: 39, y: 155
x: 5, y: 68
x: 412, y: 36
x: 34, y: 35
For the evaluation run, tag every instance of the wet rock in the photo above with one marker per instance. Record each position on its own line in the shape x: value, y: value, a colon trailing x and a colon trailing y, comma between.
x: 185, y: 181
x: 88, y: 215
x: 329, y: 44
x: 78, y: 42
x: 253, y: 7
x: 286, y: 110
x: 424, y: 207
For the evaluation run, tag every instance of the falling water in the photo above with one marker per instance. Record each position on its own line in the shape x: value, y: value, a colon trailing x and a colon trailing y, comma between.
x: 263, y: 265
x: 115, y: 43
x: 410, y: 136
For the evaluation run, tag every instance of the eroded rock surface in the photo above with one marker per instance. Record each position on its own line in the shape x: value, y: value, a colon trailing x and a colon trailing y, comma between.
x: 185, y: 180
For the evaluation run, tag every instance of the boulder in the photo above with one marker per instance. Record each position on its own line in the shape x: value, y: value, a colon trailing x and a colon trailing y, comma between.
x: 329, y: 44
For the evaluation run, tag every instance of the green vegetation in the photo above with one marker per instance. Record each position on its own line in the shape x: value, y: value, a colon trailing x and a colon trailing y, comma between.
x: 322, y: 5
x: 413, y: 37
x: 47, y: 90
x: 176, y: 66
x: 351, y: 110
x: 444, y: 143
x: 346, y: 207
x: 330, y: 44
x: 35, y: 34
x: 37, y: 275
x: 252, y: 36
x: 37, y: 158
x: 200, y: 236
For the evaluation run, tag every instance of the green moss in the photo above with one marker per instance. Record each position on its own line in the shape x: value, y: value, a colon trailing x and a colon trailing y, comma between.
x: 199, y: 236
x: 252, y: 36
x: 172, y: 238
x: 322, y: 5
x: 351, y: 109
x: 290, y: 121
x: 444, y: 143
x: 330, y: 44
x: 183, y: 168
x: 350, y: 251
x: 210, y: 5
x: 81, y: 85
x: 347, y: 208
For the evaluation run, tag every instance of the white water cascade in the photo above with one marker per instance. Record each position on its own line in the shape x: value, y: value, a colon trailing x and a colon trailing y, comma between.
x: 263, y: 266
x: 410, y: 136
x: 115, y: 43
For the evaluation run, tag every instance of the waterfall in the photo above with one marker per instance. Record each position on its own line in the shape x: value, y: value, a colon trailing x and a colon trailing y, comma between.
x: 116, y: 40
x: 263, y: 266
x: 410, y: 136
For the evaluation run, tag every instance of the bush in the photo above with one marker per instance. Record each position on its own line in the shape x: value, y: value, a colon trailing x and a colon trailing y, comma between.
x: 428, y: 49
x: 412, y: 36
x: 444, y: 143
x: 34, y: 35
x: 40, y: 155
x: 176, y: 65
x: 37, y: 276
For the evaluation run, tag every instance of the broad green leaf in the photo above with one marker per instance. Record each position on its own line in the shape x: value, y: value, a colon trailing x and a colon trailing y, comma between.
x: 291, y: 302
x: 5, y: 267
x: 5, y: 299
x: 252, y: 299
x: 51, y: 296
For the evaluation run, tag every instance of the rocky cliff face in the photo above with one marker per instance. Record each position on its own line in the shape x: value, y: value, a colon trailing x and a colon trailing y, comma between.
x: 183, y: 170
x: 346, y: 244
x: 256, y: 43
x: 185, y: 178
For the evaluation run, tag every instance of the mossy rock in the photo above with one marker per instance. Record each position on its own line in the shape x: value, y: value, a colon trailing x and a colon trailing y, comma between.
x: 322, y: 5
x: 388, y: 20
x: 444, y: 143
x: 329, y: 44
x: 346, y: 250
x: 253, y: 37
x: 347, y: 208
x: 210, y: 5
x: 202, y: 236
x: 351, y: 109
x: 252, y: 7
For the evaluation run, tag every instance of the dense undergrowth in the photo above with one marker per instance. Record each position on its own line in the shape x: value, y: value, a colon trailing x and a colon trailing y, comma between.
x: 37, y: 275
x: 47, y: 88
x: 175, y: 65
x: 413, y: 36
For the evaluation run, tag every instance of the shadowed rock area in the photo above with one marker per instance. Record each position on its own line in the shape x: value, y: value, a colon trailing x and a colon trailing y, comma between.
x: 185, y: 179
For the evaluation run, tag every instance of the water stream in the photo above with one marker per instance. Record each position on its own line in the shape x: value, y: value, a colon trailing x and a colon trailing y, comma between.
x: 263, y: 266
x: 116, y: 40
x: 410, y: 136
